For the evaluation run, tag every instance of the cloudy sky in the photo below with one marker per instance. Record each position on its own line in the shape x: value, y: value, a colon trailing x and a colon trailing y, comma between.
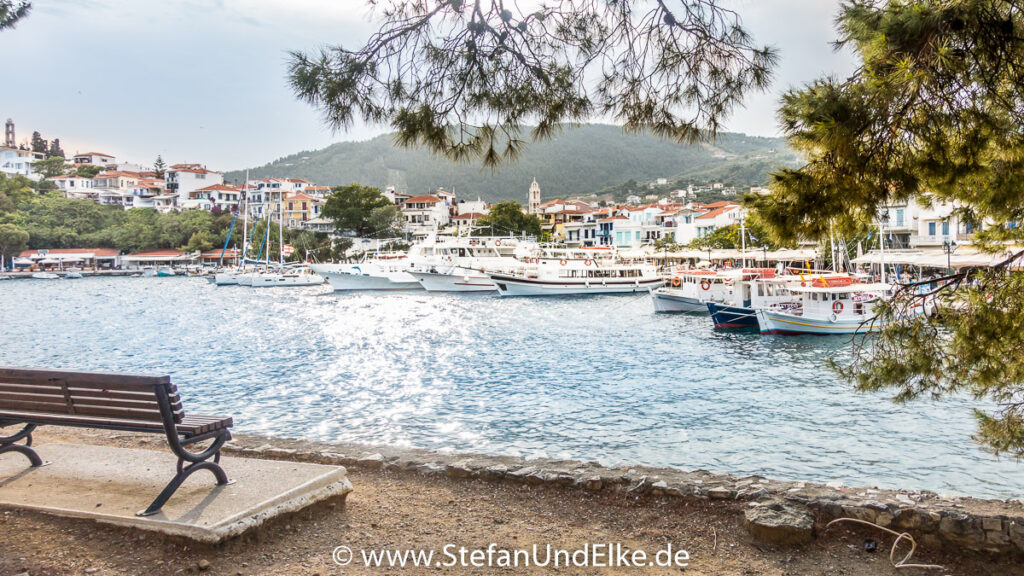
x: 204, y: 80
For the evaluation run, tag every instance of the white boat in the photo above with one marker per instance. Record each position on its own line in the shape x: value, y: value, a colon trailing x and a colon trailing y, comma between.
x: 576, y: 272
x: 460, y: 264
x: 691, y: 290
x: 73, y: 273
x: 762, y: 291
x: 45, y: 276
x: 165, y: 271
x: 826, y: 305
x: 286, y: 278
x: 148, y: 271
x: 386, y: 272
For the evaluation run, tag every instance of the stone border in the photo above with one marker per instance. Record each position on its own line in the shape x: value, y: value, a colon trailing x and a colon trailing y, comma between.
x: 994, y: 526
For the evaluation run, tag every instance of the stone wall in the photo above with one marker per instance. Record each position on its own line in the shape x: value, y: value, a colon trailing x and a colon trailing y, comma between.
x: 994, y: 526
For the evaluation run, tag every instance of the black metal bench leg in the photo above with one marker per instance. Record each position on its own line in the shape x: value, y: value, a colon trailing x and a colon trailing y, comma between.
x: 179, y: 478
x: 8, y: 444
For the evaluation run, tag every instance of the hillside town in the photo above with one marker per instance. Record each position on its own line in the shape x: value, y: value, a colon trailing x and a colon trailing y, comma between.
x: 672, y: 218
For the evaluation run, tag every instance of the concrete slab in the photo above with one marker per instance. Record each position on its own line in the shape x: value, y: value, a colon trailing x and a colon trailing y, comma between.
x: 110, y: 485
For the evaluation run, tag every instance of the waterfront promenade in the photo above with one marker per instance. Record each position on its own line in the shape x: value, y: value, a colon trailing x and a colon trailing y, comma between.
x: 407, y: 507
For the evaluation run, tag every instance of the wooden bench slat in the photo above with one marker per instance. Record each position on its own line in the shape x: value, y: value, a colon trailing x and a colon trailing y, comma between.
x: 96, y: 411
x: 111, y: 388
x: 141, y: 403
x: 136, y: 380
x: 186, y: 427
x: 81, y: 392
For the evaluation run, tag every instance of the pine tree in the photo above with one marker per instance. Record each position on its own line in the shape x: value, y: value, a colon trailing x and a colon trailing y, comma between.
x: 55, y: 149
x: 159, y: 167
x: 934, y: 112
x: 39, y: 144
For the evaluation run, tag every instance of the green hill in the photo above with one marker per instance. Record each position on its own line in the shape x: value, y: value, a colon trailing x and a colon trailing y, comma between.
x: 576, y: 162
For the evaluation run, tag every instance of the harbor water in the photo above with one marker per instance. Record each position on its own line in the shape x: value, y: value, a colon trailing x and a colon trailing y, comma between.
x: 596, y: 378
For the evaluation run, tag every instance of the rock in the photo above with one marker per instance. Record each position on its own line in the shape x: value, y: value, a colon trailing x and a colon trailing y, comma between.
x: 460, y: 469
x: 375, y: 460
x: 779, y: 522
x: 991, y: 524
x: 204, y: 564
x: 496, y: 471
x: 594, y: 484
x: 721, y: 493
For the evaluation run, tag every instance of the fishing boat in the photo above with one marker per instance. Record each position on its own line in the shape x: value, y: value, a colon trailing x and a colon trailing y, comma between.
x: 165, y: 271
x: 824, y: 305
x: 690, y: 290
x: 45, y: 276
x: 760, y: 291
x: 576, y: 272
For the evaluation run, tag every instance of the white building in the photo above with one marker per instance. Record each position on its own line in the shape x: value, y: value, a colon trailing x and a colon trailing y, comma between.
x: 425, y: 214
x: 75, y: 186
x: 720, y: 215
x: 115, y: 188
x: 15, y: 161
x: 217, y: 195
x: 94, y: 159
x: 183, y: 179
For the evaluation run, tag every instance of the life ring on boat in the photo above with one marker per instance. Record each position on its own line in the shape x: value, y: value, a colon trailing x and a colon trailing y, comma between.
x: 497, y: 242
x: 676, y: 282
x: 563, y: 261
x: 833, y: 318
x: 837, y: 307
x: 705, y: 285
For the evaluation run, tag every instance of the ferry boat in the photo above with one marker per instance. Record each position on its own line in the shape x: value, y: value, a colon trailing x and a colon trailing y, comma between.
x: 382, y: 272
x: 459, y: 264
x: 575, y: 272
x: 761, y: 291
x: 825, y: 305
x: 690, y: 290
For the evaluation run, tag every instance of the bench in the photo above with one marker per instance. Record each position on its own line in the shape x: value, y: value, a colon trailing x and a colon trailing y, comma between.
x: 108, y: 401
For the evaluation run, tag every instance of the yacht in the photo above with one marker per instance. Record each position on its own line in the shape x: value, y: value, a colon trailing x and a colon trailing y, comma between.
x: 575, y: 272
x: 287, y: 277
x: 459, y: 264
x: 73, y: 273
x: 837, y: 304
x: 381, y: 272
x: 45, y: 276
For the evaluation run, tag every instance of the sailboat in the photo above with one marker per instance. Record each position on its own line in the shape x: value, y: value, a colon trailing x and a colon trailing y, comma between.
x: 231, y: 277
x: 284, y: 276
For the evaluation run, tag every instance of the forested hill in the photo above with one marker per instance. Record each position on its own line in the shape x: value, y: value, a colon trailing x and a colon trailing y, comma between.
x: 576, y: 162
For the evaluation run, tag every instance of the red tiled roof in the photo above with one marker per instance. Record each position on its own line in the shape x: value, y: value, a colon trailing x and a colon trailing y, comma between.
x: 614, y: 218
x: 94, y: 154
x: 165, y: 252
x: 717, y: 211
x: 216, y: 187
x: 299, y: 197
x: 470, y: 216
x: 96, y: 251
x: 426, y: 199
x: 721, y: 204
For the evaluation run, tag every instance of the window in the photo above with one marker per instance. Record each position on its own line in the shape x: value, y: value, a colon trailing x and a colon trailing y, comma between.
x: 945, y: 227
x: 899, y: 217
x: 931, y: 228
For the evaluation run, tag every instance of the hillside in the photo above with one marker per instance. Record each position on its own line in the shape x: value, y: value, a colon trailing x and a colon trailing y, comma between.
x: 576, y: 162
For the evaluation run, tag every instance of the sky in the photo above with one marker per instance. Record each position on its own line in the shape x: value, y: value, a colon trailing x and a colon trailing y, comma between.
x: 205, y: 80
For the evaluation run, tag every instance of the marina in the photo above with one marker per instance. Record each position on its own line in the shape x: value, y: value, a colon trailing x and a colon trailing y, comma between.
x: 599, y: 378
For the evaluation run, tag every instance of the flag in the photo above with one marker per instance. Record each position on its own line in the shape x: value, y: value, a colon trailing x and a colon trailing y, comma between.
x: 287, y: 250
x: 752, y: 238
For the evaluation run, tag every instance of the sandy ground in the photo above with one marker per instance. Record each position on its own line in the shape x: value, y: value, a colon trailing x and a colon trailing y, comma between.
x: 407, y: 510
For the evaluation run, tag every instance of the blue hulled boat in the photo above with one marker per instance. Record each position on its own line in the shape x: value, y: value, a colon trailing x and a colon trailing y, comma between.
x: 732, y: 317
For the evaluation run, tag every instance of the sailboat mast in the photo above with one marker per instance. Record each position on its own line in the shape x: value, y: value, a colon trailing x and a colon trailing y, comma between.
x: 832, y: 247
x: 280, y: 228
x: 881, y: 245
x: 245, y: 221
x: 743, y: 240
